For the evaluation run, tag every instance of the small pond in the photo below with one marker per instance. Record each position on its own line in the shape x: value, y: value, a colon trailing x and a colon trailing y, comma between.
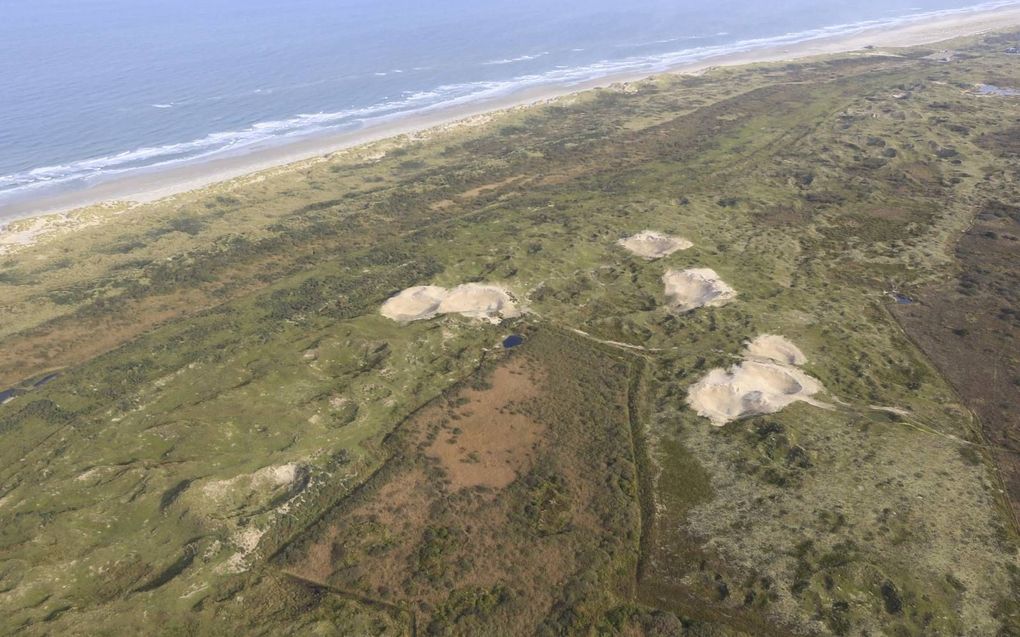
x: 28, y: 386
x: 46, y: 380
x: 513, y: 341
x: 1001, y: 91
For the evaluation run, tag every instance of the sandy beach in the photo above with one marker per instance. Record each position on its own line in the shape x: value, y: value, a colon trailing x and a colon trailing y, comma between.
x: 162, y: 183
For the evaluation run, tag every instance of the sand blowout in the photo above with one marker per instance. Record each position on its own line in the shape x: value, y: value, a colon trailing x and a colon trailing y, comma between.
x: 473, y: 300
x: 654, y: 245
x: 767, y: 381
x: 690, y: 289
x: 775, y: 348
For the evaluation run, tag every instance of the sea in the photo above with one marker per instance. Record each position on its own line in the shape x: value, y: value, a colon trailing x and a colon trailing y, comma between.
x: 94, y: 90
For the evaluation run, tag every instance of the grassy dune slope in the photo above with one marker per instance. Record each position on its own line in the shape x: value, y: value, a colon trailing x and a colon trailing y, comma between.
x: 229, y: 399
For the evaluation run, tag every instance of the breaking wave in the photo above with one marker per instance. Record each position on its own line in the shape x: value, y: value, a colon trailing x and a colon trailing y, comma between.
x: 279, y: 131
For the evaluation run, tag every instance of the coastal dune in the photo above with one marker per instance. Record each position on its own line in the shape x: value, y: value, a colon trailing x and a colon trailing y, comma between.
x: 472, y: 300
x: 694, y: 288
x: 767, y: 381
x: 653, y: 245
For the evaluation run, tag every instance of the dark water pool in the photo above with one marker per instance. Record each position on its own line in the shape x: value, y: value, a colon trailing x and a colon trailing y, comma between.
x: 1001, y: 91
x: 902, y: 299
x: 46, y: 380
x: 27, y: 387
x: 513, y: 341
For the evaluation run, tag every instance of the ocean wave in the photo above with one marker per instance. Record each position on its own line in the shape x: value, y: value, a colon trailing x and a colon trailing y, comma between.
x: 442, y: 97
x: 682, y: 38
x: 520, y: 58
x: 205, y: 147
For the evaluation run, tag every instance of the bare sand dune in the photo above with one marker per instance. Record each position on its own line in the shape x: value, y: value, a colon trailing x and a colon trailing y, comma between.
x: 654, y: 245
x: 414, y: 304
x: 690, y: 289
x: 765, y: 383
x: 473, y: 300
x: 775, y: 348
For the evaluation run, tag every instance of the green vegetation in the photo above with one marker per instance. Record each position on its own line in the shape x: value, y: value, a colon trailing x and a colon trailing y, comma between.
x: 237, y: 442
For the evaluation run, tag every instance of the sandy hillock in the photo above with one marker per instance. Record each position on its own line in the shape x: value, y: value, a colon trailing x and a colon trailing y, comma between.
x: 473, y: 300
x: 775, y: 348
x: 654, y: 245
x: 690, y: 289
x: 414, y: 304
x: 767, y: 381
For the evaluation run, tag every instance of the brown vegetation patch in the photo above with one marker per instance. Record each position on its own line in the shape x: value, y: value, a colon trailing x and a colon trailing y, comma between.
x: 922, y: 174
x: 1005, y: 142
x: 782, y: 216
x: 888, y: 213
x: 970, y: 326
x: 67, y: 341
x: 480, y: 190
x: 503, y: 500
x: 557, y: 179
x: 398, y: 504
x: 487, y: 441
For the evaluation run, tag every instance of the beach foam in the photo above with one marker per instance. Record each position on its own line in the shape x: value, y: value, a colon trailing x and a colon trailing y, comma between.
x: 60, y: 177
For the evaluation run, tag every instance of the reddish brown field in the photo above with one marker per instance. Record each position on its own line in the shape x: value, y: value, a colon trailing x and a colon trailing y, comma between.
x: 970, y: 328
x: 495, y: 505
x: 488, y: 442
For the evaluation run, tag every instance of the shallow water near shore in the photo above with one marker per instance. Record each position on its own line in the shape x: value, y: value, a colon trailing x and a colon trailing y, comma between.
x: 134, y: 88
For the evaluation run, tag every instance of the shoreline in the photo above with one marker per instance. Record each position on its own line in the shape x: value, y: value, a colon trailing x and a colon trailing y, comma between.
x: 162, y: 183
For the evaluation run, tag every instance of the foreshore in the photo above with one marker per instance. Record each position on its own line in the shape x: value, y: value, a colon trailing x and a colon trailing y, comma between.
x: 161, y: 183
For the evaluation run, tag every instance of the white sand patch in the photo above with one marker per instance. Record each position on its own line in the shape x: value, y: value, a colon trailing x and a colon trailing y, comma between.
x: 765, y: 383
x: 271, y: 477
x: 194, y: 590
x: 414, y: 304
x: 279, y: 475
x: 691, y: 289
x: 88, y: 475
x: 473, y: 300
x: 654, y: 245
x: 247, y: 540
x: 24, y: 233
x: 891, y: 410
x: 245, y: 496
x: 775, y: 348
x: 478, y: 301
